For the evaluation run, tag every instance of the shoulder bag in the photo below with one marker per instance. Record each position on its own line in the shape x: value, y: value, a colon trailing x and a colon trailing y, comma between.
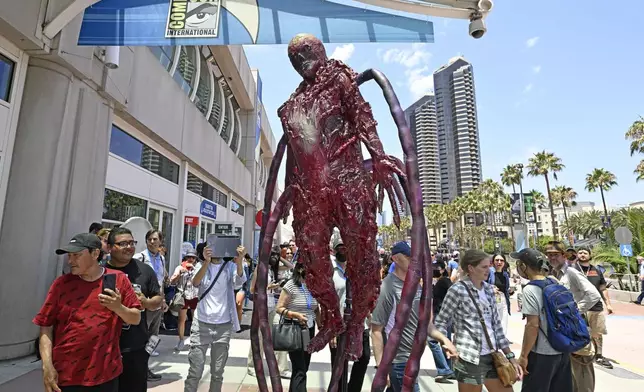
x: 287, y: 334
x: 506, y: 371
x: 223, y: 267
x: 179, y: 299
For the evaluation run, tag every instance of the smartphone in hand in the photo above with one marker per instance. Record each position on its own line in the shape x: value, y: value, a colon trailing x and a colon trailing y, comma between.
x: 109, y: 282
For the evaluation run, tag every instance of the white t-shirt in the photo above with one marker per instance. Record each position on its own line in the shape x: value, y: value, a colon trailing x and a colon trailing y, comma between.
x: 213, y: 309
x: 486, y: 309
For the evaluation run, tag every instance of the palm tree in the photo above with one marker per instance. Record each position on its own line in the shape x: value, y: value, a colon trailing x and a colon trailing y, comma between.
x: 435, y: 215
x: 564, y: 196
x: 511, y: 176
x: 603, y: 180
x: 635, y: 134
x: 542, y: 164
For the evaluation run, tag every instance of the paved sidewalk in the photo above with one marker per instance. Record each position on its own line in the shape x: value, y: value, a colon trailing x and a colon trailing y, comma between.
x: 623, y: 344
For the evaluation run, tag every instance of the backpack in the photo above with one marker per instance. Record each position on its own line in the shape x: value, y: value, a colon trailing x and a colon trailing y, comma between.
x: 567, y: 330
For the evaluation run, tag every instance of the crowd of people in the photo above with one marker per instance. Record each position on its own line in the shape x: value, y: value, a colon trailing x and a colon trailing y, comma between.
x: 100, y: 322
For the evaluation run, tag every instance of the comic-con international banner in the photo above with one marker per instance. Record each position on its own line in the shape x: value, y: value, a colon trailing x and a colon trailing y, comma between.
x: 242, y: 22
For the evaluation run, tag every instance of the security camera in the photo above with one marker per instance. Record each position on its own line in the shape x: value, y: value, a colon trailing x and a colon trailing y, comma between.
x: 477, y: 26
x: 112, y: 54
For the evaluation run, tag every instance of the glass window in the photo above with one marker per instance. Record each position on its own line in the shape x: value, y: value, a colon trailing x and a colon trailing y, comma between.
x: 236, y: 207
x: 185, y: 72
x: 203, y: 189
x: 202, y: 99
x: 6, y: 77
x: 228, y: 118
x: 127, y: 147
x: 217, y: 105
x: 164, y: 54
x: 120, y: 207
x: 236, y: 134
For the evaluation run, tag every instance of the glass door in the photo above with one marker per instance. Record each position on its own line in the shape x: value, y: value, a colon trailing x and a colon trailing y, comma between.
x: 206, y: 228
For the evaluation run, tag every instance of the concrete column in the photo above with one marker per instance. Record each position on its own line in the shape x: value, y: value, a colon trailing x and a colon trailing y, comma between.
x: 56, y: 187
x: 177, y: 230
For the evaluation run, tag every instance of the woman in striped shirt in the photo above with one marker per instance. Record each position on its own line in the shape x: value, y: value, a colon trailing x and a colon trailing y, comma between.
x: 297, y: 303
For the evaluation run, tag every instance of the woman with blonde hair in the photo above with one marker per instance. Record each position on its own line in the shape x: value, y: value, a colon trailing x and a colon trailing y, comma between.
x: 476, y: 338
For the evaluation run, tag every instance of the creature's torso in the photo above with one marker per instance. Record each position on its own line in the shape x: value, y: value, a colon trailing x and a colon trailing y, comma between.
x: 317, y: 124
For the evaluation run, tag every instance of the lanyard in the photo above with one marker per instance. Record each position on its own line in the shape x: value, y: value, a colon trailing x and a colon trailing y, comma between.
x: 307, y: 294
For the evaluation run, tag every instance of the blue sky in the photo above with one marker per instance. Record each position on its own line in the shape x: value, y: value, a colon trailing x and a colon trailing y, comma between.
x: 556, y: 77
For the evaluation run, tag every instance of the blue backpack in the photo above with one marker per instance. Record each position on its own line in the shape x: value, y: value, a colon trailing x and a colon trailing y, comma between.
x: 567, y: 330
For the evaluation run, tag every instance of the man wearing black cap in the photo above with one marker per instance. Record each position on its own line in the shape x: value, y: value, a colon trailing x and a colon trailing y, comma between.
x: 85, y: 318
x: 595, y: 315
x: 545, y: 369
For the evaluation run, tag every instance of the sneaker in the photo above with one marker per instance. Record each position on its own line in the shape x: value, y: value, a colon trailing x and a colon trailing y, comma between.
x: 442, y: 380
x: 635, y: 302
x: 153, y: 377
x: 180, y: 346
x: 286, y: 375
x: 601, y: 361
x: 251, y: 372
x: 155, y: 353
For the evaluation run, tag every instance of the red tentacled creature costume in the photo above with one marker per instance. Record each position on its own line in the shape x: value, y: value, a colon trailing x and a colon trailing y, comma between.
x: 328, y: 184
x: 325, y: 121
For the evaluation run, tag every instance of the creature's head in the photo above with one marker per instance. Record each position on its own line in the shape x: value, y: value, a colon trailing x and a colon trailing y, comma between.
x: 307, y: 54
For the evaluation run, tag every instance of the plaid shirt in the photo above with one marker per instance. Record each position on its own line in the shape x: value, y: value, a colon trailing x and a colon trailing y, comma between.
x: 459, y: 311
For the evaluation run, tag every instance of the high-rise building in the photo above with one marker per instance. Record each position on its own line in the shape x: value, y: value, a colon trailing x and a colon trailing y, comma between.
x: 421, y: 117
x: 458, y: 134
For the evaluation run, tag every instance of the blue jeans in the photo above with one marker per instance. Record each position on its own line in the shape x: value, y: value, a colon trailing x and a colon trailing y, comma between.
x: 396, y: 375
x: 443, y: 367
x: 641, y: 296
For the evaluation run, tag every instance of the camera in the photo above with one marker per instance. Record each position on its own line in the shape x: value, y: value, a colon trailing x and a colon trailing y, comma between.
x: 477, y: 26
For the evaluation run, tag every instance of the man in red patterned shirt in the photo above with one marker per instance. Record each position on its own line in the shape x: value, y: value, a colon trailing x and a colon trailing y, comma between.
x: 80, y: 322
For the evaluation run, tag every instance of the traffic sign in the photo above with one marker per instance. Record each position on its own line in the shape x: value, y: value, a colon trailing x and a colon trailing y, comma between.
x: 626, y: 250
x: 623, y: 235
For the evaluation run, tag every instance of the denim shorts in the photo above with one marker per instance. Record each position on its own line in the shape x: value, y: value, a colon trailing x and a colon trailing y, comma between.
x: 469, y: 373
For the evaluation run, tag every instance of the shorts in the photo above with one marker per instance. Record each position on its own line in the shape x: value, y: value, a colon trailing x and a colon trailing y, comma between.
x: 237, y: 291
x: 110, y: 386
x: 596, y: 322
x: 469, y: 373
x: 191, y: 304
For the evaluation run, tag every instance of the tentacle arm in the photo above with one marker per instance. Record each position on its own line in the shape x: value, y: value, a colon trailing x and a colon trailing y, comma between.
x: 418, y: 232
x: 260, y: 310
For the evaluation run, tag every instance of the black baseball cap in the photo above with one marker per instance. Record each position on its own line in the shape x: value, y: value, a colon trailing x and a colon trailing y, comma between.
x: 81, y: 242
x: 531, y: 257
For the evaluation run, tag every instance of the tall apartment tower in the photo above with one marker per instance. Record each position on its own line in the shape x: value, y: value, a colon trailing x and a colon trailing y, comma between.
x: 458, y: 133
x: 421, y: 117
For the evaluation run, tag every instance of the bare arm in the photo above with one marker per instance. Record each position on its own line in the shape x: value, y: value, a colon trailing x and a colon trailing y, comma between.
x: 530, y: 335
x: 45, y: 345
x: 152, y: 303
x: 378, y: 342
x: 130, y: 315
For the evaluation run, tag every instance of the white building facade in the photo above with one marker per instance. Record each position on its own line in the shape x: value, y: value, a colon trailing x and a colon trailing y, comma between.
x: 170, y: 135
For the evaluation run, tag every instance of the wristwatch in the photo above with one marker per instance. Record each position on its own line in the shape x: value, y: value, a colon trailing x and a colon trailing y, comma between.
x: 510, y: 355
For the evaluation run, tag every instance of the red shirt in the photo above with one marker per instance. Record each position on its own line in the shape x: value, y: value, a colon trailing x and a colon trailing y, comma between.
x: 86, y: 334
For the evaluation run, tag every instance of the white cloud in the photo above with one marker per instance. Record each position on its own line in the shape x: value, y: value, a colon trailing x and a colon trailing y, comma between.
x: 414, y: 57
x: 528, y: 88
x: 536, y: 69
x: 531, y: 42
x: 420, y: 79
x: 343, y: 52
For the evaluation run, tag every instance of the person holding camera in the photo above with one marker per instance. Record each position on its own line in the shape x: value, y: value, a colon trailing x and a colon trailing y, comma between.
x: 216, y: 317
x: 80, y: 321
